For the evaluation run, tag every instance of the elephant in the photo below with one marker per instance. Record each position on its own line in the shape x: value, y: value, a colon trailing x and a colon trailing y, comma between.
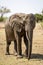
x: 14, y: 29
x: 20, y: 25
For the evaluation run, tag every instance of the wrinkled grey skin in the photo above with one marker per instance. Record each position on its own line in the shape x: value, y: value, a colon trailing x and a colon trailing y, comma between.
x: 14, y: 29
x: 17, y: 27
x: 29, y: 26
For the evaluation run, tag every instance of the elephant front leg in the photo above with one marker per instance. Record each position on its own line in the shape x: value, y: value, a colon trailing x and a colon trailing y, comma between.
x: 7, y: 48
x: 18, y: 39
x: 26, y: 44
x: 19, y: 48
x: 15, y: 47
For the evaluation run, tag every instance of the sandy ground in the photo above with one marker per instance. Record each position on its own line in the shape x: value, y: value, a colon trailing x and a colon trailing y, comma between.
x: 37, y: 49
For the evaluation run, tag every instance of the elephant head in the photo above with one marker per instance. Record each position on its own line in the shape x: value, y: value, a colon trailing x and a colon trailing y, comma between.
x: 16, y: 22
x: 29, y: 26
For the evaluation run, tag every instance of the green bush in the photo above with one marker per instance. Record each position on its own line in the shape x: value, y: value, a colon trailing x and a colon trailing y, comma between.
x: 39, y: 17
x: 41, y: 24
x: 1, y: 19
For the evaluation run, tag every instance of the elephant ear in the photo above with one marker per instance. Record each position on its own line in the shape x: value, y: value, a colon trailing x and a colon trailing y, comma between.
x: 30, y: 18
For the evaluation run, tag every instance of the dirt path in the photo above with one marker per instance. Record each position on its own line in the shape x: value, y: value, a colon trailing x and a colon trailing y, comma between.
x: 37, y: 49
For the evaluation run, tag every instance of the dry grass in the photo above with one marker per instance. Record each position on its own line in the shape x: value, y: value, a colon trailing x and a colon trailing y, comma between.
x: 37, y: 50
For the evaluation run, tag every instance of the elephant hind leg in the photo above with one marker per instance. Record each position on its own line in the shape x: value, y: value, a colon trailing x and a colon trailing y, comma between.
x: 7, y: 48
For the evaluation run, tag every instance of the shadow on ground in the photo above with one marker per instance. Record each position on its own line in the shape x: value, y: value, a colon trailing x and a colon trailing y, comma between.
x: 33, y: 56
x: 37, y: 56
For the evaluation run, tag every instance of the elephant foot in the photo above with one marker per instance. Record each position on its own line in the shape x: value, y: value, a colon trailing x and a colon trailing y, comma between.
x: 25, y: 54
x: 7, y: 53
x: 29, y: 57
x: 19, y: 56
x: 15, y: 54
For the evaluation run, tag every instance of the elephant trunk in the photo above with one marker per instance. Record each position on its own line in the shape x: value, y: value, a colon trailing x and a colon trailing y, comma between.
x: 29, y: 35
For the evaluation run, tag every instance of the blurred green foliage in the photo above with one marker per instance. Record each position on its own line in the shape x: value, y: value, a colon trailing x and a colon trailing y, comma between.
x: 39, y: 17
x: 3, y: 19
x: 41, y: 24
